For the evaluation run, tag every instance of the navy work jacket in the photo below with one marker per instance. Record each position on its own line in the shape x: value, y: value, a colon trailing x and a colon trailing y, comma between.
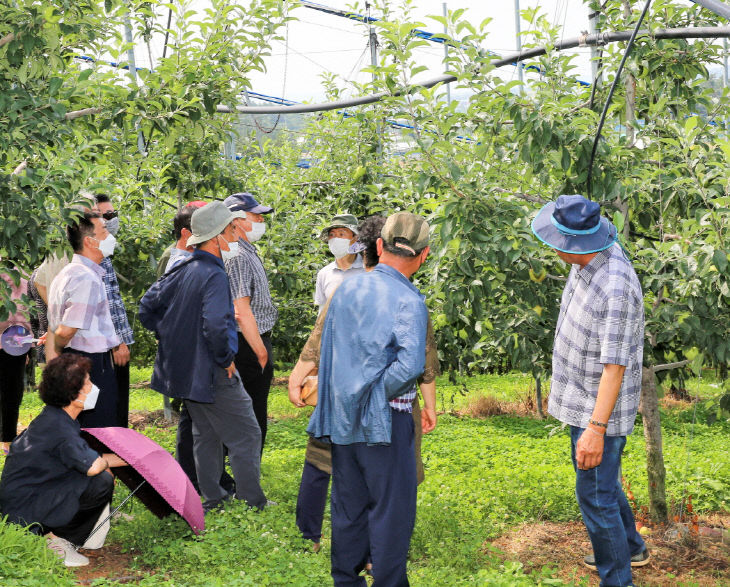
x: 191, y: 313
x: 373, y: 350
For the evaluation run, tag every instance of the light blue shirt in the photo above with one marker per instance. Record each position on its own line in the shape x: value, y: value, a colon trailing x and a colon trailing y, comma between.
x: 177, y: 256
x: 373, y: 350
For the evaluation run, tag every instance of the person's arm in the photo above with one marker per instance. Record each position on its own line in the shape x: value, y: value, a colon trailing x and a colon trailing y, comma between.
x: 103, y: 463
x: 410, y: 345
x: 42, y: 291
x: 58, y: 341
x: 250, y: 330
x: 589, y: 448
x: 296, y: 379
x: 216, y: 318
x: 120, y: 354
x: 428, y: 412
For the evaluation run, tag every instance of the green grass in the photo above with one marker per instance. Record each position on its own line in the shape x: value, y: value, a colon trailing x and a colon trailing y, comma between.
x: 482, y: 477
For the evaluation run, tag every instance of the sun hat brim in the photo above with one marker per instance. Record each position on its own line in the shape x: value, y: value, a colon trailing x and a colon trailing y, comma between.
x: 195, y: 240
x: 324, y: 235
x: 580, y: 244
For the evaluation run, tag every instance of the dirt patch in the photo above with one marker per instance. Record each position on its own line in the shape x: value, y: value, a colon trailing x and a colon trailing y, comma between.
x: 700, y: 558
x: 108, y: 563
x: 487, y: 406
x: 141, y: 419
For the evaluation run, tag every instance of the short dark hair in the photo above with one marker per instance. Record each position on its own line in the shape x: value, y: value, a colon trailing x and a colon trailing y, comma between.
x: 400, y: 251
x: 63, y: 379
x: 81, y: 228
x: 101, y: 198
x: 368, y: 235
x: 182, y: 220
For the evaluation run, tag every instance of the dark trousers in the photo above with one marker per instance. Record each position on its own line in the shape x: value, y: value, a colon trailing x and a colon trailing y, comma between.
x: 102, y: 375
x: 374, y: 507
x: 91, y: 504
x: 311, y: 501
x: 185, y: 456
x: 121, y: 372
x: 11, y: 393
x: 256, y: 381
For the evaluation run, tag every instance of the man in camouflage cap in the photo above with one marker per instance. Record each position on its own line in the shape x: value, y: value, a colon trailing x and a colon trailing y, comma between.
x: 365, y: 413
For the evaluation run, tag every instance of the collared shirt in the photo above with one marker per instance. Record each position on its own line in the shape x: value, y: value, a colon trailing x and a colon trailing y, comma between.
x: 177, y: 256
x: 601, y: 322
x: 373, y: 351
x: 331, y: 276
x: 77, y: 298
x: 45, y: 471
x: 248, y: 279
x: 116, y: 304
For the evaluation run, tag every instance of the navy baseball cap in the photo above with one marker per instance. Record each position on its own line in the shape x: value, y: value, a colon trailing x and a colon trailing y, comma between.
x: 245, y: 202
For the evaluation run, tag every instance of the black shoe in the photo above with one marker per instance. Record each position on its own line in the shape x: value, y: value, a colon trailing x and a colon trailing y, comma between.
x: 216, y: 504
x: 638, y: 560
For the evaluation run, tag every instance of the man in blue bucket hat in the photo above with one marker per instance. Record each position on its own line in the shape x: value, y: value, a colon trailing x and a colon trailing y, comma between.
x: 596, y: 374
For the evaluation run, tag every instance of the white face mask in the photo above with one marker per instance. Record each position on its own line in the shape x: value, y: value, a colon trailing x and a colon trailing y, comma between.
x: 257, y: 231
x: 231, y: 253
x: 339, y: 247
x: 90, y: 401
x: 107, y: 245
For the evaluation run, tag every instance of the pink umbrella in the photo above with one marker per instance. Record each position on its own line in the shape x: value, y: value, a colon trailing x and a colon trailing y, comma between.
x: 155, y: 477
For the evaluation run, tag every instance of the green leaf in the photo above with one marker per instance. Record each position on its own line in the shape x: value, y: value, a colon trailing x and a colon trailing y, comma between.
x: 719, y: 258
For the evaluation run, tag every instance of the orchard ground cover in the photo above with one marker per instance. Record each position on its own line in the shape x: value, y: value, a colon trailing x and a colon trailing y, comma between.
x: 497, y: 506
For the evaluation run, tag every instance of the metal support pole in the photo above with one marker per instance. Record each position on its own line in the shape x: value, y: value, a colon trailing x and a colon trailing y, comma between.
x: 518, y: 42
x: 373, y: 42
x: 132, y: 71
x: 593, y: 29
x: 446, y: 53
x: 724, y: 63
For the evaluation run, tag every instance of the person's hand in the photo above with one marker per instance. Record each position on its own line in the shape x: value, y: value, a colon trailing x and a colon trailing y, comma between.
x: 231, y: 369
x: 263, y: 358
x: 428, y: 419
x: 121, y: 355
x: 589, y: 449
x: 295, y: 392
x: 42, y: 339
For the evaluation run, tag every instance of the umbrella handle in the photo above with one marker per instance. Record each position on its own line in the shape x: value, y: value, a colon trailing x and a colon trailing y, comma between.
x: 116, y: 509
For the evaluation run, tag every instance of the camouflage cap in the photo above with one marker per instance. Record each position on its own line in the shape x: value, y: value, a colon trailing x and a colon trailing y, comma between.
x: 340, y: 221
x: 412, y: 231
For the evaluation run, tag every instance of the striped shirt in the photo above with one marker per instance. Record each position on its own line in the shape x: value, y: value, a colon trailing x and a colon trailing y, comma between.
x: 601, y: 322
x: 247, y: 279
x: 77, y: 299
x: 116, y: 303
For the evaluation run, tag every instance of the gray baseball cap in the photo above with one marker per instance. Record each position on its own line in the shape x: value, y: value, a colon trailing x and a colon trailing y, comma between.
x: 208, y: 221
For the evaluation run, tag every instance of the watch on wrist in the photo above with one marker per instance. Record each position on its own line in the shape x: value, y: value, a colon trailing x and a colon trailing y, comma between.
x: 597, y: 423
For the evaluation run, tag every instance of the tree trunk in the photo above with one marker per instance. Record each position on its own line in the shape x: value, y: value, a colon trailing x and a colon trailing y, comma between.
x: 649, y: 409
x: 538, y: 397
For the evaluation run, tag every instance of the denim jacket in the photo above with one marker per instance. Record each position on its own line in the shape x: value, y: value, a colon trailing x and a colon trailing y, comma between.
x: 191, y: 313
x: 372, y: 350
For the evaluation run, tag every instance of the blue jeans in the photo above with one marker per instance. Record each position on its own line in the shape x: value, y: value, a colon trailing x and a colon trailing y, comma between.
x: 606, y: 512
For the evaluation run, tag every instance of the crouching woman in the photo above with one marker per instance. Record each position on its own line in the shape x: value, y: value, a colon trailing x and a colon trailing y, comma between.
x: 53, y: 482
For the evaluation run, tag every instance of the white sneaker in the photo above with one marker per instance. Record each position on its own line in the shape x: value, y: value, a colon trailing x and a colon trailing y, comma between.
x: 97, y: 539
x: 67, y: 552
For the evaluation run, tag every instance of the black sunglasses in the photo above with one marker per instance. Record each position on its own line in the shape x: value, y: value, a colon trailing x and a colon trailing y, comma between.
x: 110, y: 215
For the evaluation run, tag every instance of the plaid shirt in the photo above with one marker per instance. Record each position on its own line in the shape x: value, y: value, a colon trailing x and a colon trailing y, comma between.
x: 116, y: 304
x: 77, y: 298
x: 248, y: 280
x: 601, y: 322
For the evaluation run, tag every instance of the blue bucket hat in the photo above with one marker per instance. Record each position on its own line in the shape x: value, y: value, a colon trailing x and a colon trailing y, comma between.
x: 573, y: 224
x: 245, y: 202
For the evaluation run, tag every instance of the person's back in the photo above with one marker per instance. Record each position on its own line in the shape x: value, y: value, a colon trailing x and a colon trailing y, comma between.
x: 370, y: 322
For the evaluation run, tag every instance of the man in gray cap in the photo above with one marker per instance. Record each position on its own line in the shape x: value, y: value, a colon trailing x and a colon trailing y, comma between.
x: 191, y: 313
x: 364, y: 412
x: 341, y: 237
x: 596, y: 378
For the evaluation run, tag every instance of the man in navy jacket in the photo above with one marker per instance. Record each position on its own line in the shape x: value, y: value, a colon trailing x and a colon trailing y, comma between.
x: 191, y: 312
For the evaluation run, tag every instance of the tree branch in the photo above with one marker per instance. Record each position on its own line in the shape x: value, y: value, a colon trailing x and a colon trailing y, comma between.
x: 668, y: 366
x: 20, y: 168
x: 528, y: 197
x: 556, y: 277
x: 79, y: 113
x: 6, y: 39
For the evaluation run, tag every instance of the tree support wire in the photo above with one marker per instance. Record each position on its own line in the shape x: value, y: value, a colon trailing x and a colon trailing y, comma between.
x: 580, y: 41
